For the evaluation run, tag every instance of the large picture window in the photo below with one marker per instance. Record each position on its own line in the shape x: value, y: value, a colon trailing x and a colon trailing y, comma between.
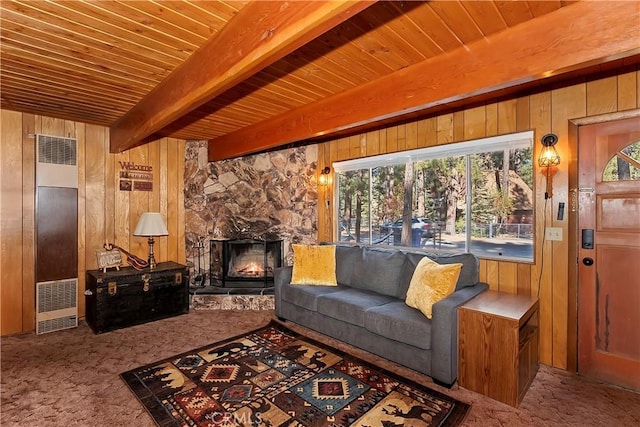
x: 473, y: 196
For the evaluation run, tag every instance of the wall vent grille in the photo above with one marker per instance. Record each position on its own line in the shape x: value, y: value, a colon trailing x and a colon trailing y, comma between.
x: 56, y: 305
x: 56, y: 161
x: 57, y: 150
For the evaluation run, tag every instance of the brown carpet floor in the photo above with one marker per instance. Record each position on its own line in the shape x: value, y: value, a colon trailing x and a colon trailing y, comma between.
x: 70, y: 378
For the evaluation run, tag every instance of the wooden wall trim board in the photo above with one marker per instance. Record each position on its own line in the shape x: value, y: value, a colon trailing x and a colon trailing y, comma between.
x: 571, y: 211
x: 545, y: 111
x: 28, y: 220
x: 104, y: 212
x: 11, y: 223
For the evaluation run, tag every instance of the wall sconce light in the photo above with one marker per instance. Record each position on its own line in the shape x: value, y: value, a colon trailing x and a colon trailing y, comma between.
x: 151, y: 224
x: 324, y: 175
x: 549, y: 159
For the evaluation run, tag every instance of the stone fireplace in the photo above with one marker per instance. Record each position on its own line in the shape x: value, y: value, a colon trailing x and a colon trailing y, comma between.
x: 244, y: 263
x: 265, y: 197
x: 270, y: 196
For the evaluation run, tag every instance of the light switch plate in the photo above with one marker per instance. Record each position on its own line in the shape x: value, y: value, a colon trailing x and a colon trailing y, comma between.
x: 553, y: 233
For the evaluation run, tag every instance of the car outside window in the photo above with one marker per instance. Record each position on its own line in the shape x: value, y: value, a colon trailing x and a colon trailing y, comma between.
x: 475, y: 196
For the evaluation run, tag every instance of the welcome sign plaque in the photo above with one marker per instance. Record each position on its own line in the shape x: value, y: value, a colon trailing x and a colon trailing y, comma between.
x: 135, y: 177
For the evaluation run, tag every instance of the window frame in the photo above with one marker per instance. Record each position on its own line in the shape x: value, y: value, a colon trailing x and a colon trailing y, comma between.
x: 468, y: 148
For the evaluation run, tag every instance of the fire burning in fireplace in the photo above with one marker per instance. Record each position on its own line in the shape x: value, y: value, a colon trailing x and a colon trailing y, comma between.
x: 252, y: 269
x: 245, y: 261
x: 250, y: 260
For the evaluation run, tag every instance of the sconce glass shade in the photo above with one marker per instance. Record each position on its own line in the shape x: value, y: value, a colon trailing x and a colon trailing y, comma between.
x: 549, y: 156
x: 324, y: 175
x: 151, y: 224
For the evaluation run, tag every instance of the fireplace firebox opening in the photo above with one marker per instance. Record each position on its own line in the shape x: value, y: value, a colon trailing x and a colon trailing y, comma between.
x: 242, y: 263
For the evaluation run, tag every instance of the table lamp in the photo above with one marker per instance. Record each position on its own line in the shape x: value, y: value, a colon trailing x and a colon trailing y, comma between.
x: 151, y: 224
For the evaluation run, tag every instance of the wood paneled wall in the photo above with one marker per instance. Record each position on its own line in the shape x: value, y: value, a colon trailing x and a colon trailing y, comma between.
x: 104, y: 212
x: 107, y: 214
x: 543, y: 112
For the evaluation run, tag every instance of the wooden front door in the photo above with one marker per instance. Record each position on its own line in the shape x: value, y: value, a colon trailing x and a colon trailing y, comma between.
x: 609, y: 267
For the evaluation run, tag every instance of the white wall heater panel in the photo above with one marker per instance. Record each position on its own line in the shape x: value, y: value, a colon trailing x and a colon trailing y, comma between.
x: 56, y: 161
x: 56, y: 305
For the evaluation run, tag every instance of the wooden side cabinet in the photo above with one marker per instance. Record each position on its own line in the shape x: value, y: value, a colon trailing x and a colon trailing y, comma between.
x: 498, y: 345
x: 118, y: 299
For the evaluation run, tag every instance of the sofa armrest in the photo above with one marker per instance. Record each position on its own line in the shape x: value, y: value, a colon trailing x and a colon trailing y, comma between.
x: 444, y: 333
x: 281, y: 277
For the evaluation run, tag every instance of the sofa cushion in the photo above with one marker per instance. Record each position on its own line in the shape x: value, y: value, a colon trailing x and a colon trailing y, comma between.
x: 430, y: 283
x: 469, y: 275
x: 314, y: 265
x: 350, y: 305
x: 398, y: 322
x: 346, y: 257
x: 380, y: 270
x: 306, y: 296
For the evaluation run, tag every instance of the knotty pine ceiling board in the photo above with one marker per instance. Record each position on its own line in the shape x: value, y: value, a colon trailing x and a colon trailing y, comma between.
x: 35, y: 53
x: 307, y: 80
x: 412, y: 35
x: 338, y: 60
x: 71, y: 59
x: 307, y: 75
x: 94, y: 48
x: 335, y: 61
x: 92, y: 61
x: 287, y: 93
x: 339, y: 52
x: 539, y: 8
x: 514, y: 12
x: 362, y: 43
x: 181, y: 19
x: 332, y: 61
x: 382, y: 39
x: 151, y: 31
x: 212, y: 13
x: 91, y: 20
x: 458, y: 20
x: 434, y: 28
x: 486, y: 16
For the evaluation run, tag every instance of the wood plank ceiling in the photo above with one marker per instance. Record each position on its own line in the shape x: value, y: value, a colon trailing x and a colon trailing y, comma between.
x: 99, y: 62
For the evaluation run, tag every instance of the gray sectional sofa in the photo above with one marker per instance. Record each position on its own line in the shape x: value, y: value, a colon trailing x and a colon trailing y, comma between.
x: 367, y: 308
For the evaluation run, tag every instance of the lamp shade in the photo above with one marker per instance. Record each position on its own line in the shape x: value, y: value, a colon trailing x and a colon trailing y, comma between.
x: 548, y: 155
x: 151, y: 224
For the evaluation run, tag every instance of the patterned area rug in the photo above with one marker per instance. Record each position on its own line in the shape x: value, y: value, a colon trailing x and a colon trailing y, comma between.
x: 276, y: 377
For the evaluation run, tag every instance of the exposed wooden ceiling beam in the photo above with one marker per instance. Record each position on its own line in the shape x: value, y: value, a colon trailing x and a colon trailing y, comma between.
x: 582, y: 34
x: 260, y: 34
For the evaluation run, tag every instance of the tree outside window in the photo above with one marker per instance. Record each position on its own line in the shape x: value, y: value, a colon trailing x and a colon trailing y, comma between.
x: 479, y: 201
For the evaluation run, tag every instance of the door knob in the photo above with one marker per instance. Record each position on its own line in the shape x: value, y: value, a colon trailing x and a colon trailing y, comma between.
x: 587, y: 261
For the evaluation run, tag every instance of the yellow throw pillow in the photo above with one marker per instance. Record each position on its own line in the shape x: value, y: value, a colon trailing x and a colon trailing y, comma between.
x: 430, y: 283
x: 314, y: 265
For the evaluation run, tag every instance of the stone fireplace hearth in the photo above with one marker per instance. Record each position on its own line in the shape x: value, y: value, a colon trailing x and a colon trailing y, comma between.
x: 263, y: 197
x: 232, y: 302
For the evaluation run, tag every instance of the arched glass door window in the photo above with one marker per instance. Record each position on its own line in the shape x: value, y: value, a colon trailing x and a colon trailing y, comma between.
x: 624, y: 165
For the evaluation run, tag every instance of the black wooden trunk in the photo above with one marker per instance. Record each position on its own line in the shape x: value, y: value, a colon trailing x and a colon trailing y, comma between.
x: 117, y: 299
